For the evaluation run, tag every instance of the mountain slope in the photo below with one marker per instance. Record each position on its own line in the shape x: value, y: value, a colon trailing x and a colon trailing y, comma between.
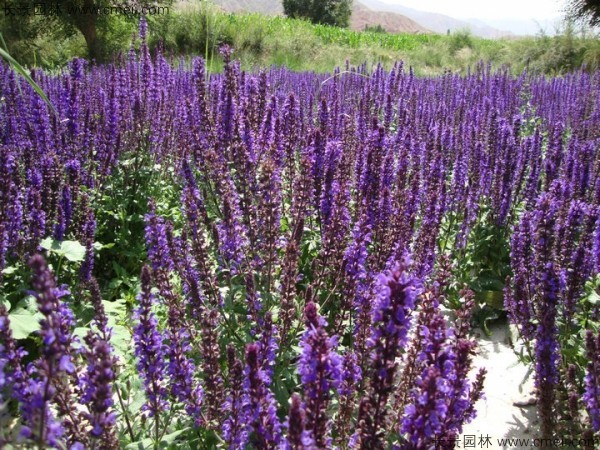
x: 391, y: 22
x: 439, y: 23
x: 362, y: 15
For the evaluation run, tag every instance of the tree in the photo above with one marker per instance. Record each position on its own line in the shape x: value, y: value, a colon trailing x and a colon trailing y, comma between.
x: 328, y: 12
x: 588, y: 10
x: 27, y: 19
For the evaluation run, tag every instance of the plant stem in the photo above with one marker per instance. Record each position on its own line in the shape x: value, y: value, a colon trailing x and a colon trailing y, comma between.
x: 129, y: 429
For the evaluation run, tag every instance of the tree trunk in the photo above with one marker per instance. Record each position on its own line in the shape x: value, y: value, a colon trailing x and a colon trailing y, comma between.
x: 86, y: 24
x: 91, y: 41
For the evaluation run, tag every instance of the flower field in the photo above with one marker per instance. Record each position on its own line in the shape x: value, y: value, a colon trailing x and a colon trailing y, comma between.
x: 281, y: 260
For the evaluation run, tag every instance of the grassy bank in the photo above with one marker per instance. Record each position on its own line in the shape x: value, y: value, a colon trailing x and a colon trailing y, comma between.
x: 261, y: 41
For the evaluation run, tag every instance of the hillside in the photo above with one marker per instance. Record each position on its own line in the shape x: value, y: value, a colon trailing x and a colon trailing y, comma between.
x: 439, y: 23
x: 362, y: 15
x: 270, y: 7
x: 392, y: 22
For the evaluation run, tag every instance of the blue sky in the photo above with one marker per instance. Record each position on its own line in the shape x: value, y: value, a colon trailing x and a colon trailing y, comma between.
x: 539, y: 10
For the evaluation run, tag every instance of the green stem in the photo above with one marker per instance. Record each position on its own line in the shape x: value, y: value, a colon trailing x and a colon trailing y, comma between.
x: 125, y: 415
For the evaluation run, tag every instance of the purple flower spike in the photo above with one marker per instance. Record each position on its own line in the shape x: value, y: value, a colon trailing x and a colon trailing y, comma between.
x: 546, y: 351
x: 11, y: 373
x: 149, y: 350
x: 398, y: 290
x: 260, y: 404
x: 591, y: 397
x: 235, y: 433
x: 297, y: 437
x: 100, y: 376
x: 320, y: 369
x: 47, y: 376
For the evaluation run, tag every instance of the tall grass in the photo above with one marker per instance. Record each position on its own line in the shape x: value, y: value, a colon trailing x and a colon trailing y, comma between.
x: 261, y: 41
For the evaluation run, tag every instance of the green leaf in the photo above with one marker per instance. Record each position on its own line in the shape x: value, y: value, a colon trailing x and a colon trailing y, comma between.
x: 9, y: 270
x: 98, y: 246
x: 593, y: 298
x: 120, y: 339
x: 148, y: 443
x: 23, y: 322
x: 140, y: 445
x: 72, y: 250
x: 171, y: 438
x: 495, y: 299
x: 120, y: 336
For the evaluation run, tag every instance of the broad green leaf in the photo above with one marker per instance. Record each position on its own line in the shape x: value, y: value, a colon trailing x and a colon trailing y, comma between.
x: 72, y: 250
x: 9, y: 270
x: 120, y: 335
x: 495, y: 299
x: 147, y: 443
x: 81, y: 332
x: 120, y: 339
x: 593, y: 298
x: 144, y: 444
x: 116, y: 309
x: 49, y: 244
x: 171, y: 438
x: 24, y: 322
x: 98, y: 246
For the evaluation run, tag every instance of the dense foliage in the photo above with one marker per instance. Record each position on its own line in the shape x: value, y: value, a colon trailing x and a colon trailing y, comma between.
x: 290, y: 260
x: 588, y: 10
x: 328, y: 12
x: 92, y: 19
x: 298, y: 44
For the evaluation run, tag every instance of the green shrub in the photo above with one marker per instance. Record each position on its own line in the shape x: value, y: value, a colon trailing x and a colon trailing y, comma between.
x: 460, y: 39
x: 375, y: 29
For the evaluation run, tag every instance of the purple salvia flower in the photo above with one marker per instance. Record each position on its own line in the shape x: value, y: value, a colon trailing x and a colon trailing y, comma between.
x: 519, y: 303
x: 211, y: 369
x: 297, y: 437
x: 100, y: 376
x: 89, y: 230
x: 596, y: 246
x: 47, y: 374
x: 59, y: 226
x: 32, y: 411
x: 194, y: 210
x: 11, y: 373
x: 181, y: 368
x: 546, y: 349
x: 159, y: 252
x: 67, y: 207
x: 347, y: 390
x: 591, y: 396
x: 269, y: 214
x: 36, y: 216
x: 143, y: 29
x: 235, y: 433
x: 231, y: 230
x: 149, y: 350
x: 268, y: 347
x: 425, y: 416
x: 260, y: 404
x: 427, y: 413
x: 320, y: 369
x: 332, y: 157
x: 355, y: 272
x: 397, y: 291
